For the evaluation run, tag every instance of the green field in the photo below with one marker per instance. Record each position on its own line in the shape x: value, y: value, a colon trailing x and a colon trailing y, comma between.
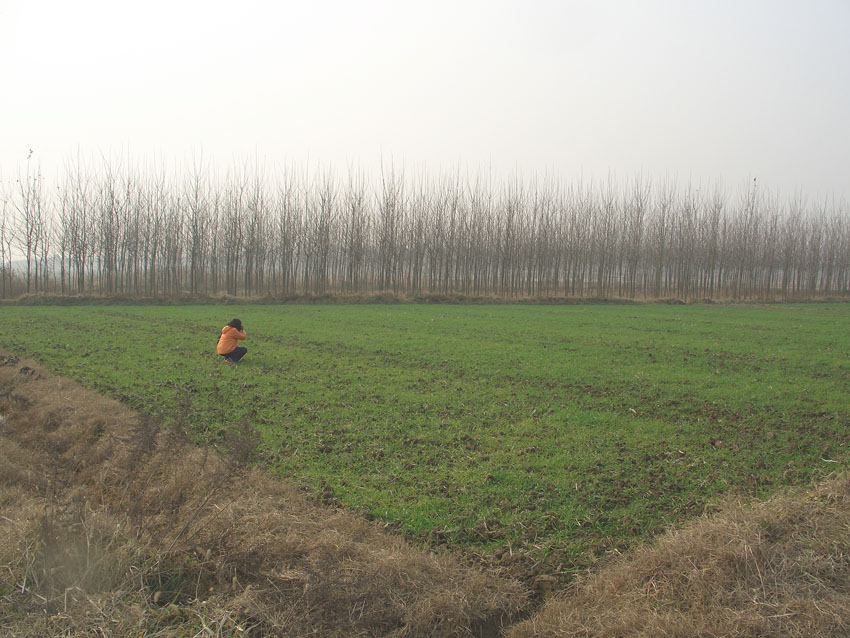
x: 559, y: 430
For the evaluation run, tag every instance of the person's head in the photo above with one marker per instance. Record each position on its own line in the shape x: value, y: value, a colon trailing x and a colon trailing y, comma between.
x: 235, y: 323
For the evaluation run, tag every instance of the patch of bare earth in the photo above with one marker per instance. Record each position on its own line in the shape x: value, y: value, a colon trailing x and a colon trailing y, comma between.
x: 110, y: 526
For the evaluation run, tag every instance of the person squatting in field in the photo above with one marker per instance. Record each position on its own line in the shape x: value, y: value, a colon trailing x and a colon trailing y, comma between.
x: 230, y: 334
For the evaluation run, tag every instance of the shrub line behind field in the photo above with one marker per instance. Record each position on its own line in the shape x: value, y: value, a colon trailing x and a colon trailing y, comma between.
x: 54, y: 299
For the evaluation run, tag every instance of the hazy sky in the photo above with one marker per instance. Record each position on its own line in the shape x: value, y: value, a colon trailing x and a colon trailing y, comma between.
x: 701, y: 90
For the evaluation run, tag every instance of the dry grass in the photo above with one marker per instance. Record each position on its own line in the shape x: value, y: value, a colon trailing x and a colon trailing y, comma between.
x: 780, y: 568
x: 112, y: 527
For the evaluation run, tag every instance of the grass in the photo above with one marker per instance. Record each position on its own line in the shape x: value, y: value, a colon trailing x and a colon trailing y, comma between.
x: 560, y: 431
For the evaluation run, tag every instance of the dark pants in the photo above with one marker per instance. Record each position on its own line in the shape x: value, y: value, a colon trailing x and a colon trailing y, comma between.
x: 236, y: 354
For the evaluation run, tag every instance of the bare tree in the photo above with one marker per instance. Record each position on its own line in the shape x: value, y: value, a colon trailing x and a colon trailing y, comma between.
x: 196, y: 195
x: 7, y: 241
x: 30, y: 206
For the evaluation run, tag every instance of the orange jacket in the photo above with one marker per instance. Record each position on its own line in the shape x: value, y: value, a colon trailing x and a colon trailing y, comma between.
x: 228, y: 338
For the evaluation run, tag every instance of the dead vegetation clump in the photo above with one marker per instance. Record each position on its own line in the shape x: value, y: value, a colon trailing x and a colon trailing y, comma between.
x: 780, y: 568
x: 110, y: 526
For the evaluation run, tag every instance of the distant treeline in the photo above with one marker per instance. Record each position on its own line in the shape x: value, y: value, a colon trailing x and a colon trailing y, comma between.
x: 113, y: 230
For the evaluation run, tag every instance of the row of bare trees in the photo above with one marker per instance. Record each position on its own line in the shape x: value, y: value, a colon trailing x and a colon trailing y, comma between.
x: 144, y: 232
